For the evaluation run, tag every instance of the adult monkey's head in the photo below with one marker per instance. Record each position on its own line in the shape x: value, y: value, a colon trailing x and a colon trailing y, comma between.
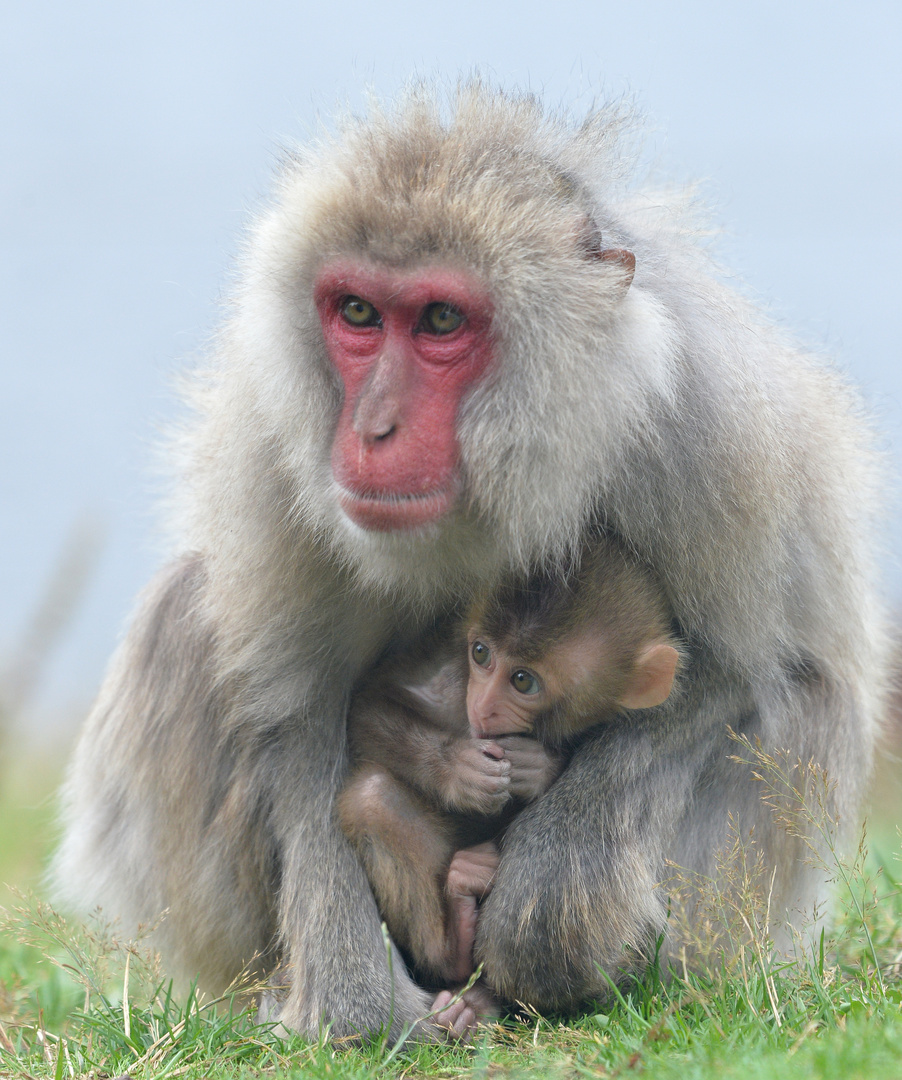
x: 408, y: 344
x: 465, y: 293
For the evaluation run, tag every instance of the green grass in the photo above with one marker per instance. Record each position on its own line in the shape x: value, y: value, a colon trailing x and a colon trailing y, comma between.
x: 75, y: 1002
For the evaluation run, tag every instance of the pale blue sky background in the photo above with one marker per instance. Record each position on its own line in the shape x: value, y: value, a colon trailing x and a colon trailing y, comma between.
x: 136, y: 137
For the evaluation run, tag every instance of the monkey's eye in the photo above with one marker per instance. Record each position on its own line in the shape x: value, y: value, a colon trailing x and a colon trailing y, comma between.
x: 359, y: 312
x: 524, y: 682
x: 481, y: 654
x: 440, y: 319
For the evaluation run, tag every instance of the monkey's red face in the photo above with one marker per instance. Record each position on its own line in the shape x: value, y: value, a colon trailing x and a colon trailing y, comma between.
x: 407, y: 346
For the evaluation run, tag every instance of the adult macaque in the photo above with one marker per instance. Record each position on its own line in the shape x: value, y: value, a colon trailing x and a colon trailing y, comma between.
x: 441, y: 748
x: 457, y: 346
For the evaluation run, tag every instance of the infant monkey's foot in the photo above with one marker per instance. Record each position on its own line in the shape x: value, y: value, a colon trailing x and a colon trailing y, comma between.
x: 460, y: 1020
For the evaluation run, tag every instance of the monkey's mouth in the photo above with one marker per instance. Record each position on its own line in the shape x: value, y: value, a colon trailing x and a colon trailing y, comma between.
x: 393, y: 511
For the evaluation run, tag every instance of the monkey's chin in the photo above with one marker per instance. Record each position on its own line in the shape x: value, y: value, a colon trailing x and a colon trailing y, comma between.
x: 395, y: 513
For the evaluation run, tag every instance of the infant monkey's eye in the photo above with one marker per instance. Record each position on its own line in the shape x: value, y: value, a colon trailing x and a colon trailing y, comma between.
x: 524, y: 682
x: 481, y: 654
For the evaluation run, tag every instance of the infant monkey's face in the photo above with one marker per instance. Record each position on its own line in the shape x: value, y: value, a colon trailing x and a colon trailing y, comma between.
x: 504, y: 694
x: 576, y: 680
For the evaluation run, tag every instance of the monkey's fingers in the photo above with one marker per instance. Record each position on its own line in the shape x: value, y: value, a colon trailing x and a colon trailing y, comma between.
x: 478, y: 782
x: 533, y: 767
x: 485, y: 758
x: 472, y: 870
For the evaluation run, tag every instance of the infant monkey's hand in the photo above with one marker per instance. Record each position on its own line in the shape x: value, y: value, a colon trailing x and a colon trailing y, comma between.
x: 478, y: 777
x: 533, y: 767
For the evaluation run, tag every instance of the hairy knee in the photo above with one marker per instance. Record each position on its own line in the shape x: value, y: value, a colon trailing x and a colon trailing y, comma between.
x: 560, y: 948
x: 374, y: 804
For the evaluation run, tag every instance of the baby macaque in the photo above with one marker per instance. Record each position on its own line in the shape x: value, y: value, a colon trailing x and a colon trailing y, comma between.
x: 450, y: 739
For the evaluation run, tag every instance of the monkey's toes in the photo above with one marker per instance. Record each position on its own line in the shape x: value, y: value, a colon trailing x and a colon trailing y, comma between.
x: 483, y: 1002
x: 457, y: 1018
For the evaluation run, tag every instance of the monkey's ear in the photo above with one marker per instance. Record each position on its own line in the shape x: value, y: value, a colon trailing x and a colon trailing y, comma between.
x: 652, y: 678
x: 591, y: 245
x: 627, y: 262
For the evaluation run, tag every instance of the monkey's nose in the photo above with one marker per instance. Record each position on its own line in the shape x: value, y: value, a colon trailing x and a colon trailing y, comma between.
x: 376, y: 426
x: 484, y: 722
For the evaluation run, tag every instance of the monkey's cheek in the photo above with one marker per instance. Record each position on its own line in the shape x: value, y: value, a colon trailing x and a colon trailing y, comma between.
x: 396, y: 513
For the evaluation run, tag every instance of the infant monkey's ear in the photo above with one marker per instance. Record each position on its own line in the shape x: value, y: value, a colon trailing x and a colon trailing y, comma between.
x: 652, y: 679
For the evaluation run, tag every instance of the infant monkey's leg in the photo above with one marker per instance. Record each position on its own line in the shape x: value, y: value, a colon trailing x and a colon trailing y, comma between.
x: 406, y: 849
x: 470, y: 878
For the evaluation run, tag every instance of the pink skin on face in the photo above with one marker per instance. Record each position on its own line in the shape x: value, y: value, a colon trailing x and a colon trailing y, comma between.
x: 395, y: 456
x: 494, y: 706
